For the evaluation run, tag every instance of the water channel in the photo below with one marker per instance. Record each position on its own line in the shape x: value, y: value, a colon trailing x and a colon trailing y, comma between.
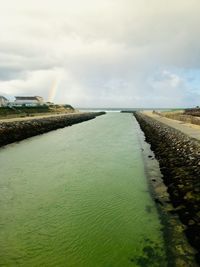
x: 79, y: 197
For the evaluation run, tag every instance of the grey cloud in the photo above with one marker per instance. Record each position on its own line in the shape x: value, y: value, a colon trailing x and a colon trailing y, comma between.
x: 108, y: 53
x: 8, y: 73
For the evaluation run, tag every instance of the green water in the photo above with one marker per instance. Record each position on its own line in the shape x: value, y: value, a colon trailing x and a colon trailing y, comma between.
x: 78, y: 197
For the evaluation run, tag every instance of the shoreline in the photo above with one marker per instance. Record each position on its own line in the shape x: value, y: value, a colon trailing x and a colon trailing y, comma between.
x: 17, y: 130
x: 178, y: 250
x: 178, y: 157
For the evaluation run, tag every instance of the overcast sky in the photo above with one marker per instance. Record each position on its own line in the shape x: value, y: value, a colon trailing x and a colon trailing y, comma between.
x: 102, y: 53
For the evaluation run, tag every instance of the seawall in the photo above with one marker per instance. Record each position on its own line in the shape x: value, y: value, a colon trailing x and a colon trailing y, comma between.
x: 18, y: 130
x: 179, y: 160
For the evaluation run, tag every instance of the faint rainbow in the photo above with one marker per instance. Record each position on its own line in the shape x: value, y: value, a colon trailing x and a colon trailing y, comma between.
x: 53, y: 90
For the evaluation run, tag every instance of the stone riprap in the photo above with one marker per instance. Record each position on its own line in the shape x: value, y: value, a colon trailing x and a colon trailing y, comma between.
x: 18, y: 130
x: 193, y: 112
x: 179, y: 159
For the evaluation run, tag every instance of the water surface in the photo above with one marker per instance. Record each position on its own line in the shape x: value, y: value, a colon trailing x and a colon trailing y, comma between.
x: 78, y: 197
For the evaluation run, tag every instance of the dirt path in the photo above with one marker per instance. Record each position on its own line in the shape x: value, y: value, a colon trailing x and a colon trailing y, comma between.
x: 37, y: 117
x: 189, y: 129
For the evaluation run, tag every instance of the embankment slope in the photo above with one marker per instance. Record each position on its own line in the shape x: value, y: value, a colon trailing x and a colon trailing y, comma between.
x: 179, y: 159
x: 18, y: 130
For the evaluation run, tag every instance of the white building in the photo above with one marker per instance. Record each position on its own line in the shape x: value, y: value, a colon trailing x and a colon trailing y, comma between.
x: 28, y: 101
x: 3, y: 101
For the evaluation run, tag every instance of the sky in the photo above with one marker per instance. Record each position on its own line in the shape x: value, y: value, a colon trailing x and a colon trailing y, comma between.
x: 102, y: 53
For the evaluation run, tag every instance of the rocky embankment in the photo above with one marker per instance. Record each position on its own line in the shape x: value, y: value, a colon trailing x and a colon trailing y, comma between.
x: 18, y: 130
x: 193, y: 112
x: 179, y: 159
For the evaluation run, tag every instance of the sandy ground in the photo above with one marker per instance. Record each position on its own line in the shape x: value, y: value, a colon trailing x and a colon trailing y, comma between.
x: 37, y: 117
x: 191, y: 130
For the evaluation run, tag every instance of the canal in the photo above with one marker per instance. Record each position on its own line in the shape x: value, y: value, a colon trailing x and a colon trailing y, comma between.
x: 79, y: 197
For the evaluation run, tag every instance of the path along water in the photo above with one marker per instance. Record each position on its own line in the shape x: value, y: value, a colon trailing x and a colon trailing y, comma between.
x: 78, y: 197
x: 191, y: 130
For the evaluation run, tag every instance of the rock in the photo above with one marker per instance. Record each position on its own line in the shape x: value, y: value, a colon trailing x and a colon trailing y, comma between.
x: 19, y: 130
x: 158, y: 201
x: 179, y: 160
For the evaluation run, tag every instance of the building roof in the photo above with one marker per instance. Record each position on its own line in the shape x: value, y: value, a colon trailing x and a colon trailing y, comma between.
x: 3, y: 97
x: 28, y: 97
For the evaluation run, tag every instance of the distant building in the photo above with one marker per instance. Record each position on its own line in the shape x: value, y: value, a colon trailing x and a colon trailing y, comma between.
x: 28, y: 101
x: 3, y: 101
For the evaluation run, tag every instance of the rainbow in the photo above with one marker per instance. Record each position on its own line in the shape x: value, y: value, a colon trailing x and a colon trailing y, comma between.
x: 53, y: 90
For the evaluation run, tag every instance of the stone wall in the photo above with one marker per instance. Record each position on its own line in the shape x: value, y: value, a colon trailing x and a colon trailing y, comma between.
x: 18, y: 130
x: 179, y: 159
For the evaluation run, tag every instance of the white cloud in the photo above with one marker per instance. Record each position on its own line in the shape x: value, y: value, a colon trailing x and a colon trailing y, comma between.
x: 106, y: 53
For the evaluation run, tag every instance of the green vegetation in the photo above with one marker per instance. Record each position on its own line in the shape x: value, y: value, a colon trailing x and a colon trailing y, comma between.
x: 23, y: 111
